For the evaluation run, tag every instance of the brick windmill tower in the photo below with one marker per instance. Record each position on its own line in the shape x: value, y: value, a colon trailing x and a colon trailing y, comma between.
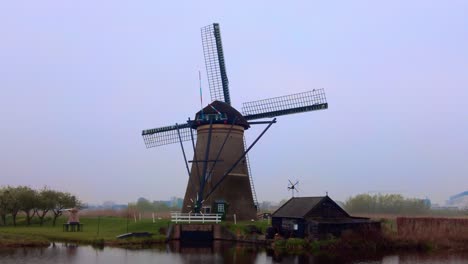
x: 219, y: 178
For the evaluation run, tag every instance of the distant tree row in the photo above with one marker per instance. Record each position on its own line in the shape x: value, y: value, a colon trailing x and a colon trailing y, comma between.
x: 386, y: 204
x: 145, y: 205
x: 34, y: 203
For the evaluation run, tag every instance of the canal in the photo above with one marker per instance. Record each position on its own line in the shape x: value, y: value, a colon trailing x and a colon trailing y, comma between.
x: 218, y: 252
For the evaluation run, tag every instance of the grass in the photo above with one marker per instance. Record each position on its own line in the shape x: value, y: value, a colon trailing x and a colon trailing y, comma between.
x: 97, y: 230
x: 243, y: 229
x: 398, y: 234
x: 16, y: 240
x: 103, y: 230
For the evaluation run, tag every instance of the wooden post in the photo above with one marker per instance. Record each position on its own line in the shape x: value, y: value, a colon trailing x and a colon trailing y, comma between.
x: 98, y: 224
x: 153, y: 219
x: 128, y: 214
x: 235, y: 220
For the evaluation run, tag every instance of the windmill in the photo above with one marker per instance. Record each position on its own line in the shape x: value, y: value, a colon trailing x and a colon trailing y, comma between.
x: 293, y: 187
x: 219, y: 176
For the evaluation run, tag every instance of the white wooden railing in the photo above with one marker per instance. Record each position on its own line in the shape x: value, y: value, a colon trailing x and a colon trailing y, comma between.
x: 177, y: 217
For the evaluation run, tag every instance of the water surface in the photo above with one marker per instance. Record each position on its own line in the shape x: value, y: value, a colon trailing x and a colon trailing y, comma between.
x: 215, y: 253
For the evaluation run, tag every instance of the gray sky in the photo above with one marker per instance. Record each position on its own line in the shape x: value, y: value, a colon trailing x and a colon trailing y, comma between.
x: 79, y: 80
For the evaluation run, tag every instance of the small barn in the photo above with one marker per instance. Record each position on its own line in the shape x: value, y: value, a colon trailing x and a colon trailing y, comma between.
x: 315, y: 218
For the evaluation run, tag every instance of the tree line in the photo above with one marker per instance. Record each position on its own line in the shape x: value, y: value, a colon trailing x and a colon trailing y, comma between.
x: 145, y: 205
x: 34, y: 203
x: 386, y: 204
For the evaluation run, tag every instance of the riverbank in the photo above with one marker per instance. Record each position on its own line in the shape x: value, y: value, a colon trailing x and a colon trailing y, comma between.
x: 15, y: 240
x: 103, y: 231
x: 98, y: 231
x: 412, y: 234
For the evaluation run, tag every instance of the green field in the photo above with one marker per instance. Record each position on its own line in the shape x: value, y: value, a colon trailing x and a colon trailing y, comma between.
x: 103, y: 231
x: 96, y: 230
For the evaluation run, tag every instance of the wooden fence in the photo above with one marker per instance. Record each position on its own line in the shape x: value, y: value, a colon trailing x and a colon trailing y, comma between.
x: 195, y: 218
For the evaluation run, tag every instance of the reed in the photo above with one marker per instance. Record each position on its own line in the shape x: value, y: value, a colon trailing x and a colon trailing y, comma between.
x: 436, y: 230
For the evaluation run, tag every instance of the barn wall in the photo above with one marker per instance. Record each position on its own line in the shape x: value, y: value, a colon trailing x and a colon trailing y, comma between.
x: 337, y: 229
x: 285, y: 226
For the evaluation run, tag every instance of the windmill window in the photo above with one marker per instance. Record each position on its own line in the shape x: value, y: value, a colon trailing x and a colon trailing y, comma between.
x: 220, y: 208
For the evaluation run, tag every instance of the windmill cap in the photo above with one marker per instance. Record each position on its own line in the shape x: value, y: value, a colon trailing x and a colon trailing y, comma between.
x: 220, y: 113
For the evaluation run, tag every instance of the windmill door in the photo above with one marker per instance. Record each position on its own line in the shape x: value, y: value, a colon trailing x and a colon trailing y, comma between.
x: 206, y: 209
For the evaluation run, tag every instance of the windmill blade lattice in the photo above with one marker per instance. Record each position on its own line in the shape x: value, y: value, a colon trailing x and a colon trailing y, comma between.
x: 167, y: 135
x: 215, y: 65
x: 285, y: 105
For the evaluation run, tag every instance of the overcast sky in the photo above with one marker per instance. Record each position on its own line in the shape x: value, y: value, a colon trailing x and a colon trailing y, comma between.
x: 79, y: 80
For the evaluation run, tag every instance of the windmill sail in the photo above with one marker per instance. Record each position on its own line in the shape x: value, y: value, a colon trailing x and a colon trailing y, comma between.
x: 214, y: 61
x: 167, y: 135
x: 285, y: 105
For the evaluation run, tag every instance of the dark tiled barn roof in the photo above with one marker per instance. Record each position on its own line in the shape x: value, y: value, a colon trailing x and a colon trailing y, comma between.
x: 297, y: 207
x: 224, y: 108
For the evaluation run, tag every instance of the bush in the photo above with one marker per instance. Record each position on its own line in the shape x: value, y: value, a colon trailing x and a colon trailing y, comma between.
x: 386, y: 204
x: 296, y: 244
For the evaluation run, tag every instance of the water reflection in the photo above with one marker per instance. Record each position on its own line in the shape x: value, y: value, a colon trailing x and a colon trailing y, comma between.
x: 217, y: 252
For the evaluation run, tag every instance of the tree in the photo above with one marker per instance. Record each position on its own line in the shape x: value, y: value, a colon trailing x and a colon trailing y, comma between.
x: 46, y: 202
x: 28, y: 199
x: 265, y: 206
x: 144, y: 205
x: 13, y: 201
x: 387, y: 204
x: 63, y: 200
x: 4, y: 204
x: 160, y: 206
x: 283, y: 201
x: 362, y: 203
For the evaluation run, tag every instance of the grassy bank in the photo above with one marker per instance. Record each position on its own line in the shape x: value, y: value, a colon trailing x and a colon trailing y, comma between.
x: 398, y: 234
x: 244, y: 229
x: 102, y: 231
x: 97, y: 231
x: 357, y: 244
x: 15, y: 240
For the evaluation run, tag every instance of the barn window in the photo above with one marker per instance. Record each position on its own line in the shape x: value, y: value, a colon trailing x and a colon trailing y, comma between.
x: 220, y: 208
x: 289, y: 224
